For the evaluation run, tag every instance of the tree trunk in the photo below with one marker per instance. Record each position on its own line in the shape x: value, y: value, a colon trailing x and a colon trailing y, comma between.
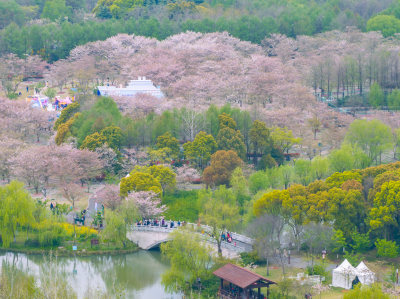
x: 219, y: 247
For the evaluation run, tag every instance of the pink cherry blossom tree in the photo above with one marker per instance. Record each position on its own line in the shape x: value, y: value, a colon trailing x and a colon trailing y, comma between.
x: 147, y: 203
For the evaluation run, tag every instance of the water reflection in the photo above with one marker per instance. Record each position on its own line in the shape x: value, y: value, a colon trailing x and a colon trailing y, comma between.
x: 139, y: 274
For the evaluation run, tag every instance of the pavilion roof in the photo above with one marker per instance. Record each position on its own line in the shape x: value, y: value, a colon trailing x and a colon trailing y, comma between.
x: 240, y: 277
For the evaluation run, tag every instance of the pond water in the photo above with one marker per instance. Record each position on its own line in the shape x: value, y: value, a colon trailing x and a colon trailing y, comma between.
x: 139, y: 273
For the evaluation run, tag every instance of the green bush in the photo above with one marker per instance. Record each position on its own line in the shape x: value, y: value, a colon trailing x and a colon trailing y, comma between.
x: 318, y: 270
x: 366, y: 292
x: 386, y: 248
x: 250, y: 258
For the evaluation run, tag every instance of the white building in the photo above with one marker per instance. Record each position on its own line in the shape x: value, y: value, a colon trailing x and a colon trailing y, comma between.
x: 141, y: 85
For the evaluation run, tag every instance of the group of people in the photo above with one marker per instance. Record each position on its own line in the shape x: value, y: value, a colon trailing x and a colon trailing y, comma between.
x: 226, y: 237
x: 160, y: 223
x: 80, y: 218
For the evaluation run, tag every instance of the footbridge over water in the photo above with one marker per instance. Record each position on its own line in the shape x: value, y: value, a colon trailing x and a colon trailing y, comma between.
x: 148, y: 237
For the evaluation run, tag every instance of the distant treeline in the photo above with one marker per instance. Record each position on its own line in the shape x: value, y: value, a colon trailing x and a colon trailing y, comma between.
x: 52, y: 28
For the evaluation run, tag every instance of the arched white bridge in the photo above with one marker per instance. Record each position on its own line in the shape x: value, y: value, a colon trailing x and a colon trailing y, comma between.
x: 148, y: 237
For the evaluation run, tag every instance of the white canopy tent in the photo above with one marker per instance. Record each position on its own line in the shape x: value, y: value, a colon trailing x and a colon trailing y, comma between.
x: 344, y: 275
x: 364, y: 274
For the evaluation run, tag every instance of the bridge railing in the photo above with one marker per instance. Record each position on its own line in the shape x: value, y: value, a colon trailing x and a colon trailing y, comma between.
x: 167, y: 228
x: 233, y: 246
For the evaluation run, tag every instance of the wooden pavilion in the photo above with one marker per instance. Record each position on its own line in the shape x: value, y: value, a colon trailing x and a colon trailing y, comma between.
x: 239, y: 283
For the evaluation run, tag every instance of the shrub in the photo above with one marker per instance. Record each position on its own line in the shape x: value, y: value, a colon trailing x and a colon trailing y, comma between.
x: 318, y: 270
x: 250, y: 258
x: 386, y: 248
x: 366, y: 292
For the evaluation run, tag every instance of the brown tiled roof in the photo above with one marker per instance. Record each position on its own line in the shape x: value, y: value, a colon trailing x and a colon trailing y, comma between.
x: 239, y: 276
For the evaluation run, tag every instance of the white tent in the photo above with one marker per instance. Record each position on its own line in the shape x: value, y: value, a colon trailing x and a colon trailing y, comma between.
x: 365, y: 275
x: 344, y: 275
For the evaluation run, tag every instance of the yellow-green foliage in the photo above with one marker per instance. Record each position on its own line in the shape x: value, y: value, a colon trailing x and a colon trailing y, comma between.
x: 93, y: 141
x: 156, y: 178
x: 376, y: 170
x: 338, y: 178
x: 66, y: 114
x: 64, y: 129
x: 139, y: 181
x: 342, y: 199
x: 366, y: 292
x: 65, y: 230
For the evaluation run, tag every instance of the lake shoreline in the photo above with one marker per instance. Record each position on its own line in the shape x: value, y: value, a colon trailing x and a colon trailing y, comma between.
x: 68, y: 253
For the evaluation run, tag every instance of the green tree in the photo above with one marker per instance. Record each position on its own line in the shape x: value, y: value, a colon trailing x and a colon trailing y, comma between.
x: 230, y: 139
x: 302, y: 169
x: 139, y: 181
x: 341, y: 159
x: 376, y: 97
x: 339, y: 241
x: 190, y: 259
x: 373, y: 137
x: 319, y: 167
x: 11, y: 12
x: 201, y: 149
x: 361, y: 242
x: 104, y: 113
x: 226, y: 121
x: 267, y: 162
x: 385, y: 213
x: 170, y: 142
x: 16, y: 210
x: 286, y: 174
x: 221, y: 214
x: 115, y: 228
x: 240, y: 188
x: 258, y: 181
x: 113, y: 136
x: 260, y: 139
x: 386, y: 248
x: 117, y: 8
x: 283, y: 137
x: 55, y: 9
x: 338, y: 178
x: 393, y: 100
x: 396, y: 142
x: 165, y: 176
x: 93, y: 141
x: 388, y: 25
